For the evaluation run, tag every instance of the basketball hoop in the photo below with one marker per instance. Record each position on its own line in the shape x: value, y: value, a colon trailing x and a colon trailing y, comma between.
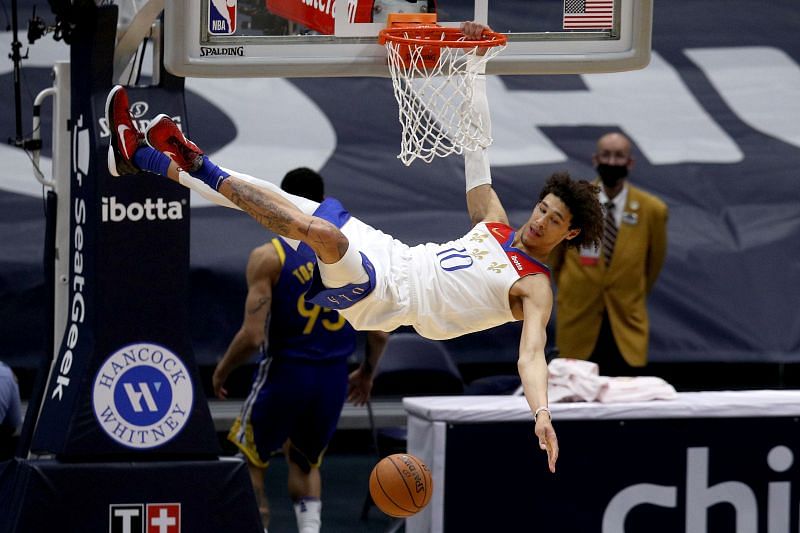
x: 433, y: 71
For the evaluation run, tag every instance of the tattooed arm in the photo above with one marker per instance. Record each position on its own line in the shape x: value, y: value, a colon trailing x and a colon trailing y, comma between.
x: 278, y: 214
x: 271, y: 210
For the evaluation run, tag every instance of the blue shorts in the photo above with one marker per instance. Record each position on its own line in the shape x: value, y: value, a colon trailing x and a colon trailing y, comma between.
x: 294, y: 399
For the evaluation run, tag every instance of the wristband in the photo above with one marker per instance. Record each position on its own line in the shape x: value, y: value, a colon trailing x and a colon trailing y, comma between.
x: 210, y: 174
x: 542, y: 410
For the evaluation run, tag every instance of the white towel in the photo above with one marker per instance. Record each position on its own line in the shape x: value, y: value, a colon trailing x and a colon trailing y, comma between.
x: 575, y: 380
x: 637, y: 389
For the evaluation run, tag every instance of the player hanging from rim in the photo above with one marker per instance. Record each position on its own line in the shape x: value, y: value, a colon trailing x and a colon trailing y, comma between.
x: 490, y: 276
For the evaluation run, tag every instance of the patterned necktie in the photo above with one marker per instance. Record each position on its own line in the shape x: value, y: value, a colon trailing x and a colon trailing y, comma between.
x: 609, y: 233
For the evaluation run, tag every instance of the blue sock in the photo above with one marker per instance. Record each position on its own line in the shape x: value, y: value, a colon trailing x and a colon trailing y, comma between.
x: 211, y: 174
x: 151, y: 160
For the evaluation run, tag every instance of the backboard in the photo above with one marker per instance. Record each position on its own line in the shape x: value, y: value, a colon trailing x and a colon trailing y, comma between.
x: 308, y: 38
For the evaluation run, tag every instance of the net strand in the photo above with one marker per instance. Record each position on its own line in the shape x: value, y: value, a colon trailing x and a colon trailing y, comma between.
x: 435, y: 99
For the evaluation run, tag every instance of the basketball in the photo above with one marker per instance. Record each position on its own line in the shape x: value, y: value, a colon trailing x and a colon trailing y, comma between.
x: 400, y: 485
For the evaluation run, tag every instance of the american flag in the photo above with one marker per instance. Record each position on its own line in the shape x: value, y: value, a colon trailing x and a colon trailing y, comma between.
x: 588, y: 14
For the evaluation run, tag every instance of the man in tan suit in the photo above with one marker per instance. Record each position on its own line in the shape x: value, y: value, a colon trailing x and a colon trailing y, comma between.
x: 602, y: 292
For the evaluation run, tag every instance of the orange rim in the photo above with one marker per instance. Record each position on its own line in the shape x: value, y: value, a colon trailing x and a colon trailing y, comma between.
x: 427, y: 35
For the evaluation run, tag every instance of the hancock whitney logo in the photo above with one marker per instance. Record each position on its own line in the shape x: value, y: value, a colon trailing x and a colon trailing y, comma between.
x: 143, y: 395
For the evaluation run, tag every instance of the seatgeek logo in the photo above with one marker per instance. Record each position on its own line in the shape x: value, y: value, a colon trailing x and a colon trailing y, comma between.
x: 78, y: 281
x: 142, y: 396
x: 144, y: 518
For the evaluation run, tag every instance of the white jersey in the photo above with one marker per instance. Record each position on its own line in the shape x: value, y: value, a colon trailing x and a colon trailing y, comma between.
x: 441, y: 290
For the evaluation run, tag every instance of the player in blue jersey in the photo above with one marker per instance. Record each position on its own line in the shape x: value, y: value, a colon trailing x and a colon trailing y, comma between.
x: 302, y: 377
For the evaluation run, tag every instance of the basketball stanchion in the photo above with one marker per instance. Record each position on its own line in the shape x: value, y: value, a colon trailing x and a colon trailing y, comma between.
x: 119, y: 438
x: 433, y: 70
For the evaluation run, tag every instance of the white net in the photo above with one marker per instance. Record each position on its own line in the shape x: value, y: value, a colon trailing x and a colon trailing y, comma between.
x: 435, y: 99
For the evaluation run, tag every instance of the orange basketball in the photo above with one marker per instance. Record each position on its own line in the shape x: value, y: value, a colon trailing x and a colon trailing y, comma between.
x: 400, y: 485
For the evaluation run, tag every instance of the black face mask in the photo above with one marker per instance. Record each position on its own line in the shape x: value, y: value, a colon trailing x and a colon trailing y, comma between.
x: 612, y: 174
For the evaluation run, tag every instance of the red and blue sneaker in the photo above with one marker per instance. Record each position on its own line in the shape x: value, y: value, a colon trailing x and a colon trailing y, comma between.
x: 125, y: 138
x: 166, y: 137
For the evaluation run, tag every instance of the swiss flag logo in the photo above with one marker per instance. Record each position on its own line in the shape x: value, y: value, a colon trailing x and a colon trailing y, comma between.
x: 163, y: 518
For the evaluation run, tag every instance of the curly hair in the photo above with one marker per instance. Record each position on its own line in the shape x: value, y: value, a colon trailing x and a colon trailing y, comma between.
x: 580, y: 197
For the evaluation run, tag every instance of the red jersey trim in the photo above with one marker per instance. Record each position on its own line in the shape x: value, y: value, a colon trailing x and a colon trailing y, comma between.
x: 524, y: 264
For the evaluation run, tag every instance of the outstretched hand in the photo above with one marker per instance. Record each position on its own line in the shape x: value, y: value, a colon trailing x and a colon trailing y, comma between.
x: 547, y: 440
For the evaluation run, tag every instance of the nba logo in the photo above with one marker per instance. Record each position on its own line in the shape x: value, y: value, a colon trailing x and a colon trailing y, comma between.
x: 222, y: 17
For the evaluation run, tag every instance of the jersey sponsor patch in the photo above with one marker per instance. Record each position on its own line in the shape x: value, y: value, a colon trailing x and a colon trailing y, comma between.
x: 523, y: 263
